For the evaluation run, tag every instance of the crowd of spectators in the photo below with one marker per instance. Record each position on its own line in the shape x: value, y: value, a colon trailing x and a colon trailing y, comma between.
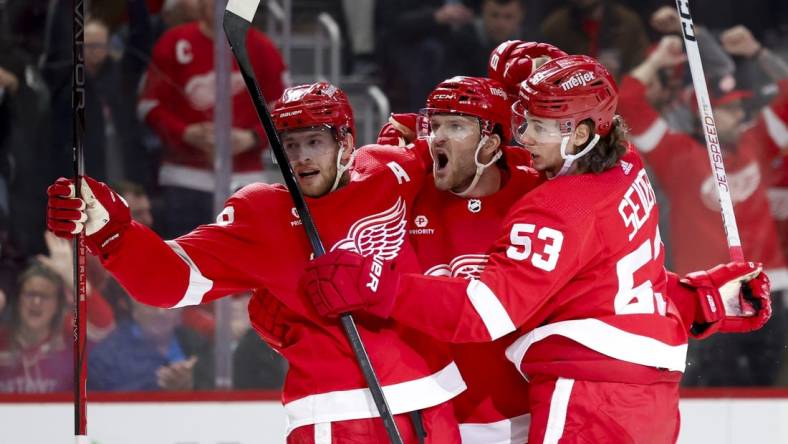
x: 150, y: 90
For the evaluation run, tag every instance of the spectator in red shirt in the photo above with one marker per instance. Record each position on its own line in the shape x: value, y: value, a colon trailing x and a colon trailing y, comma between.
x: 35, y: 356
x: 177, y: 102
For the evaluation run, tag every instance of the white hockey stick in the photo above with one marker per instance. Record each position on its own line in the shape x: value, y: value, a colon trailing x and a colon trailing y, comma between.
x: 710, y: 132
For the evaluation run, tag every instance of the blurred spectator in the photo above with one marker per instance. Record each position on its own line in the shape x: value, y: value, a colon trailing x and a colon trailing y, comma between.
x: 255, y: 364
x: 177, y: 102
x: 100, y: 318
x: 471, y: 46
x: 35, y: 354
x: 602, y: 29
x: 150, y: 351
x: 23, y: 131
x: 680, y: 164
x: 412, y: 38
x: 112, y: 129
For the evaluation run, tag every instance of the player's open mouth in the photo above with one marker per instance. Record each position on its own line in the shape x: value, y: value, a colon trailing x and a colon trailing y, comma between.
x: 441, y: 160
x: 308, y: 173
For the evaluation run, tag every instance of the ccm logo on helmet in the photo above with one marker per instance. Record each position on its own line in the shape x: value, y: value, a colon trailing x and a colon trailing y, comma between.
x: 290, y: 113
x: 443, y: 97
x: 579, y: 79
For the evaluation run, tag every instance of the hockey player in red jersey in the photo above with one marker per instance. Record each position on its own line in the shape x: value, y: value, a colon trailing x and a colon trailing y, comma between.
x: 257, y: 243
x: 578, y: 275
x: 475, y: 179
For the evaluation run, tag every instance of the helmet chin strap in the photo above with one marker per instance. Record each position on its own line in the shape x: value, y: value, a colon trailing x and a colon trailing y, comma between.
x: 342, y: 168
x: 569, y: 159
x: 480, y: 167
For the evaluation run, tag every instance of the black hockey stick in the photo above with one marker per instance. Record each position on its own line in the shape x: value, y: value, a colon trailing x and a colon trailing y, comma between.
x: 237, y: 19
x: 80, y: 278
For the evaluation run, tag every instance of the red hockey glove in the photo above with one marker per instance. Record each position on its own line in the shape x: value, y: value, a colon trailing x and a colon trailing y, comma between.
x: 343, y: 281
x: 512, y: 61
x: 101, y: 212
x: 732, y: 298
x: 268, y: 316
x: 400, y: 130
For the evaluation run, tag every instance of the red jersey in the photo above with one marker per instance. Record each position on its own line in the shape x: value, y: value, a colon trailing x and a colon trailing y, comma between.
x: 681, y: 165
x: 44, y: 368
x: 180, y: 89
x: 452, y: 235
x: 258, y: 242
x: 578, y: 274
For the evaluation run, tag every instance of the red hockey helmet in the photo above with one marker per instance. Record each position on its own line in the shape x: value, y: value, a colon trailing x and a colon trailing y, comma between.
x: 316, y: 104
x: 479, y: 97
x: 569, y: 89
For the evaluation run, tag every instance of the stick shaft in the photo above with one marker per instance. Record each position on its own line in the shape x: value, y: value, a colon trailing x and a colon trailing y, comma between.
x: 80, y: 277
x: 710, y: 132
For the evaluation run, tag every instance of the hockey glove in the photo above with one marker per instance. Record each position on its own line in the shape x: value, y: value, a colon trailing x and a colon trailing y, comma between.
x: 513, y: 61
x: 343, y: 281
x: 400, y: 130
x: 732, y: 298
x: 102, y: 213
x: 268, y: 317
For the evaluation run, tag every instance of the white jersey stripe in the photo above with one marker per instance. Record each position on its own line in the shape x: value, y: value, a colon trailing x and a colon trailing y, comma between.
x: 323, y: 433
x: 506, y: 431
x: 199, y: 285
x: 559, y: 403
x: 649, y: 139
x: 490, y: 309
x: 407, y: 396
x: 605, y: 339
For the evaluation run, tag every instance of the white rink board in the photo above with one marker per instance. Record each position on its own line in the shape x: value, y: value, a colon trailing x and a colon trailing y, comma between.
x: 718, y: 421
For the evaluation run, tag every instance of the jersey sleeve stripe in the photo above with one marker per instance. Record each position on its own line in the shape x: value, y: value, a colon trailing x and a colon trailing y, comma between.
x: 649, y: 139
x: 199, y: 285
x: 776, y: 128
x: 605, y: 339
x: 490, y: 309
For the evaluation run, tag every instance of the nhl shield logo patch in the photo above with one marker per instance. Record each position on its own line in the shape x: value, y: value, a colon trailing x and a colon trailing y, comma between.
x: 474, y: 205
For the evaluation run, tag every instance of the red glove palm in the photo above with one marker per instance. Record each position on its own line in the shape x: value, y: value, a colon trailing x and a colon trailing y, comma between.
x: 400, y: 130
x: 732, y: 298
x: 343, y: 281
x: 102, y: 213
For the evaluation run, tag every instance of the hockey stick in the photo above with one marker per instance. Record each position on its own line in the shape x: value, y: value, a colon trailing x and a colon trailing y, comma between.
x: 237, y: 19
x: 710, y: 132
x: 80, y: 278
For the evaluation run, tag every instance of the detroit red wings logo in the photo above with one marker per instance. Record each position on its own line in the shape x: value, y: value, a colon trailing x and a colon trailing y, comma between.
x: 466, y: 266
x: 380, y: 235
x: 742, y: 184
